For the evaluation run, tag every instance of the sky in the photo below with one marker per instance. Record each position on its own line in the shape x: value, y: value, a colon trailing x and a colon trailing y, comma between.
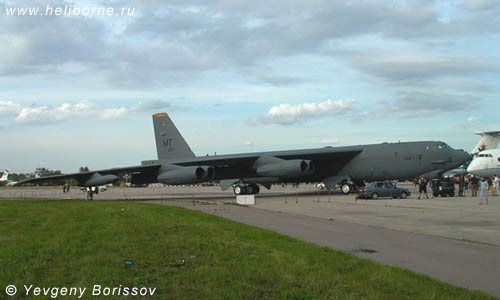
x: 78, y: 87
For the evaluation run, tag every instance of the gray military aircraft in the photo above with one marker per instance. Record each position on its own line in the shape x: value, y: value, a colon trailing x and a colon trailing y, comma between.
x: 177, y: 164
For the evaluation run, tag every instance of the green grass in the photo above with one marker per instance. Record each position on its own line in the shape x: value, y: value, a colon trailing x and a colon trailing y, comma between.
x: 81, y: 243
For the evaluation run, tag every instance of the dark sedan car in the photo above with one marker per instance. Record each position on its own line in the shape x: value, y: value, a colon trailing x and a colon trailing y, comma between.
x: 376, y: 190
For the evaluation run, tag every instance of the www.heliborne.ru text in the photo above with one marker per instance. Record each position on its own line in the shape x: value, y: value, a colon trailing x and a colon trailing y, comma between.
x: 69, y: 11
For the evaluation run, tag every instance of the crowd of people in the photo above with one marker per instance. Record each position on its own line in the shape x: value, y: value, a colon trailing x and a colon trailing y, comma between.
x: 480, y: 187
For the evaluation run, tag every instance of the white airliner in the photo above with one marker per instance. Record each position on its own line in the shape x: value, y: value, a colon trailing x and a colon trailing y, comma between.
x: 486, y: 163
x: 489, y: 140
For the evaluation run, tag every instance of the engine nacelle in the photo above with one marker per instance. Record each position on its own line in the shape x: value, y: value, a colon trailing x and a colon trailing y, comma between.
x: 186, y: 175
x: 286, y: 168
x: 209, y: 173
x: 98, y: 179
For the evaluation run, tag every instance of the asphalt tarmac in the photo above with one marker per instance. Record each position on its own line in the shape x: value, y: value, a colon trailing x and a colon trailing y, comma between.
x: 453, y: 239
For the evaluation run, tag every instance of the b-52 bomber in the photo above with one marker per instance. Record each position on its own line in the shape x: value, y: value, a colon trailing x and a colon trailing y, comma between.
x: 334, y: 166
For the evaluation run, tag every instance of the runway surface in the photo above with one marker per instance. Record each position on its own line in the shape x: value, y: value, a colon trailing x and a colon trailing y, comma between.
x: 451, y: 239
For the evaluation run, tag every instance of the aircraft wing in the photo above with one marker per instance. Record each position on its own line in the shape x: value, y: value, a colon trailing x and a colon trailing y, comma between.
x: 97, y: 175
x: 317, y: 155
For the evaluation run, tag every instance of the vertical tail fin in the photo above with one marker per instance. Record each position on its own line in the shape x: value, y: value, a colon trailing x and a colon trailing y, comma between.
x: 169, y: 142
x: 489, y: 140
x: 5, y: 176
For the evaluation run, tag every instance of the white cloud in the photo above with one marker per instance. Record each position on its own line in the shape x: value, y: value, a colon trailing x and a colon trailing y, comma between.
x: 472, y: 119
x: 9, y: 107
x: 43, y: 115
x: 112, y: 113
x: 287, y: 114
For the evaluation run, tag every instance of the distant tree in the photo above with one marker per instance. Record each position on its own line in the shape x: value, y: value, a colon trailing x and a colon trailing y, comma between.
x: 17, y: 177
x: 84, y: 169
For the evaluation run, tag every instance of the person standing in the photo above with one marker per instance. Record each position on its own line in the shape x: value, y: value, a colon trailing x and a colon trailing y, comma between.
x: 496, y: 185
x: 461, y: 183
x: 474, y: 185
x: 490, y: 185
x: 483, y: 191
x: 422, y: 188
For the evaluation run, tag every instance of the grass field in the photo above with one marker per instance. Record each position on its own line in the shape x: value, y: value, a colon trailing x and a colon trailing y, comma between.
x: 52, y: 243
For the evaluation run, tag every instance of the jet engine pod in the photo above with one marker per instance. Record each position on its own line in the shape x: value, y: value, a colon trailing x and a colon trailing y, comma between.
x: 209, y: 173
x: 185, y: 175
x: 98, y: 179
x: 286, y: 168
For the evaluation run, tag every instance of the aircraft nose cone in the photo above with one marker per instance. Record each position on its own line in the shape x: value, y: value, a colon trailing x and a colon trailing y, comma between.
x: 464, y: 156
x: 472, y: 167
x: 460, y: 156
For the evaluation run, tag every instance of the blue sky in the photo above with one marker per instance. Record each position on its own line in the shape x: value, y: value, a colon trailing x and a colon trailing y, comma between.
x: 243, y: 76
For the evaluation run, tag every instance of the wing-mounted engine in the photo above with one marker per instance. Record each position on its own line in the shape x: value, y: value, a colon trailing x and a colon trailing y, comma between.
x: 173, y: 174
x: 270, y: 166
x: 97, y: 179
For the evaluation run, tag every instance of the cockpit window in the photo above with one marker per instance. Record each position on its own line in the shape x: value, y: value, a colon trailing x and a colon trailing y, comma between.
x: 443, y: 146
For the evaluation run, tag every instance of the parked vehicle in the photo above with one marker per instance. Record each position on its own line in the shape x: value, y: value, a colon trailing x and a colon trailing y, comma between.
x: 443, y: 188
x: 376, y: 190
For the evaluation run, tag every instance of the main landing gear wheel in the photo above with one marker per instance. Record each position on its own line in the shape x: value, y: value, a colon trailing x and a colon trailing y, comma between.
x: 346, y: 188
x: 239, y: 190
x: 246, y: 190
x: 249, y: 189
